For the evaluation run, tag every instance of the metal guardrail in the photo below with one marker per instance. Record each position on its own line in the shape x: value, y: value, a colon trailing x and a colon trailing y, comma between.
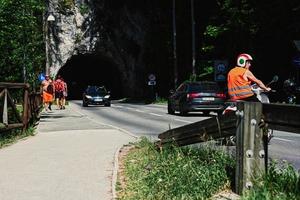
x: 248, y: 125
x: 31, y: 105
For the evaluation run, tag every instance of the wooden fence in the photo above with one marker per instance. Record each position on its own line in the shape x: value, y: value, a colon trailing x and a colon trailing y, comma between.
x: 11, y: 117
x: 249, y: 124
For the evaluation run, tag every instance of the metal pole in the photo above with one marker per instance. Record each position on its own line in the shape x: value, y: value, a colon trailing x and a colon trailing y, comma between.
x: 47, y: 48
x: 193, y: 39
x: 175, y: 45
x: 46, y: 37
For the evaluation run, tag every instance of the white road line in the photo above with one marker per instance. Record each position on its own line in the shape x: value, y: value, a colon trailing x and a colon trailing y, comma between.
x: 180, y: 120
x: 155, y: 114
x: 282, y: 139
x: 139, y: 111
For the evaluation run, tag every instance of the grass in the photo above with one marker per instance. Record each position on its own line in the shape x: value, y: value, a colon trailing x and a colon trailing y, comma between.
x: 281, y: 182
x: 188, y: 173
x: 174, y: 173
x: 13, y: 135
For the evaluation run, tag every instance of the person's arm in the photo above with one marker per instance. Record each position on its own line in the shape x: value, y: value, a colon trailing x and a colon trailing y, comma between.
x: 249, y: 75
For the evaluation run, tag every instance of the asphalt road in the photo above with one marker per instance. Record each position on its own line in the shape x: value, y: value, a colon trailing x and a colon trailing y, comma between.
x: 152, y: 119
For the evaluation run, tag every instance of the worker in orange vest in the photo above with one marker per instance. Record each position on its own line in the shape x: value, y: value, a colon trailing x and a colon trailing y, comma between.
x: 239, y: 80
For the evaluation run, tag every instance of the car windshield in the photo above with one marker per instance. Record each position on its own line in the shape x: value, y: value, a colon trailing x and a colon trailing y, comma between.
x: 94, y: 90
x: 204, y: 87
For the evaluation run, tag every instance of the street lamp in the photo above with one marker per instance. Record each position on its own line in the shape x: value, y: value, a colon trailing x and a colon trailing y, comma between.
x: 49, y: 20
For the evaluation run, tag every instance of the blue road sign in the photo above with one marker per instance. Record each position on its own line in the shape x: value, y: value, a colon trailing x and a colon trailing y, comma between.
x: 296, y: 61
x: 41, y: 77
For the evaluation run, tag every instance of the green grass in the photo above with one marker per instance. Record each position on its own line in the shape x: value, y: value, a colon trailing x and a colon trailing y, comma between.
x: 161, y: 100
x: 282, y: 182
x: 174, y: 173
x: 11, y: 136
x: 188, y: 173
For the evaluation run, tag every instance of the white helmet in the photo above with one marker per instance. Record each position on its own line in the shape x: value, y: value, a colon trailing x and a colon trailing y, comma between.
x: 242, y: 58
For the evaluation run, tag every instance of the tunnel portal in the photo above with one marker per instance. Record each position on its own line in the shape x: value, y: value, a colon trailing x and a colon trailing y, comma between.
x: 88, y: 69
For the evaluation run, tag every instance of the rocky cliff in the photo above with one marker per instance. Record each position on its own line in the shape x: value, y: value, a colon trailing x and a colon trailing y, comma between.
x: 121, y: 31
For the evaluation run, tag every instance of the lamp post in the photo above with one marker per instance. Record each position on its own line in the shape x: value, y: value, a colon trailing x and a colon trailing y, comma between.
x: 49, y: 20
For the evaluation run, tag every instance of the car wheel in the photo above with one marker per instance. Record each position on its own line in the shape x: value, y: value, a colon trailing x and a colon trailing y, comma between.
x: 84, y: 104
x: 107, y: 104
x: 182, y: 112
x: 220, y: 112
x: 170, y: 109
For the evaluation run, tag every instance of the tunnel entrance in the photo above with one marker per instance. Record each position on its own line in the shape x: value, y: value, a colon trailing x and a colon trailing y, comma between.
x: 90, y: 69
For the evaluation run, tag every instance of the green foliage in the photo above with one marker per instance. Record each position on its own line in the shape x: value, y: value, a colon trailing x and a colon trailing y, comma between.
x: 65, y: 5
x: 281, y: 182
x: 174, y: 173
x: 84, y: 9
x: 205, y: 68
x: 21, y: 39
x: 11, y: 136
x: 214, y: 31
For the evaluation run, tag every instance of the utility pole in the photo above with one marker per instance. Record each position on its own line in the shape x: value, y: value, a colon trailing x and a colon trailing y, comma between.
x: 193, y: 39
x: 175, y: 45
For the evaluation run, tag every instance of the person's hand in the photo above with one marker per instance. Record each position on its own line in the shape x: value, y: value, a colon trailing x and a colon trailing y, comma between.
x: 268, y: 89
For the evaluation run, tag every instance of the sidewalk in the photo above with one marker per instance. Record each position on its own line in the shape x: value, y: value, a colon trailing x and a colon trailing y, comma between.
x: 70, y: 158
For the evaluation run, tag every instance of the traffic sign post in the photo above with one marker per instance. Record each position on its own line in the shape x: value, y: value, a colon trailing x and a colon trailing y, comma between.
x: 220, y: 70
x: 152, y: 83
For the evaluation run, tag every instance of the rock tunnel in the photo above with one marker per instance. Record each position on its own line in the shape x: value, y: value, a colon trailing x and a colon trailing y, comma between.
x: 89, y: 69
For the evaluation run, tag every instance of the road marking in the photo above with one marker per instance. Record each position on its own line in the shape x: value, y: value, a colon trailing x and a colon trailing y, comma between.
x: 139, y: 111
x: 155, y: 114
x: 180, y: 120
x: 117, y: 106
x: 282, y: 139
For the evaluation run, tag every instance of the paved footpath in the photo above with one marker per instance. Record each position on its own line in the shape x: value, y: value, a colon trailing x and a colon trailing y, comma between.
x: 69, y: 158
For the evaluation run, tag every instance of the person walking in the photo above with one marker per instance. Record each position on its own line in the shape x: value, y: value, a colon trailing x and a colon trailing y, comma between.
x: 65, y: 93
x: 47, y: 92
x: 239, y: 80
x: 59, y: 89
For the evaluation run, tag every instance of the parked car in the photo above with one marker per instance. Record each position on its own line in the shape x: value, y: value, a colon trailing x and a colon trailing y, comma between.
x: 204, y: 96
x: 96, y: 95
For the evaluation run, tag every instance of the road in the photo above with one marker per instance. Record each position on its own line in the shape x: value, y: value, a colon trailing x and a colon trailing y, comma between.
x: 152, y: 119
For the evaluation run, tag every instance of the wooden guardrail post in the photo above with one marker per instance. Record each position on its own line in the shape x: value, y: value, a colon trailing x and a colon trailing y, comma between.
x: 5, y: 114
x: 26, y: 107
x: 250, y: 152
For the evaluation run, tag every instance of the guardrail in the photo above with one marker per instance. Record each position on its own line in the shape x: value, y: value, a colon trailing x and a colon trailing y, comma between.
x: 249, y: 124
x: 31, y: 105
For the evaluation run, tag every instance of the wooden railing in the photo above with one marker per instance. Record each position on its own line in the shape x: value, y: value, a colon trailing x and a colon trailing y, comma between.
x: 10, y: 116
x: 249, y: 124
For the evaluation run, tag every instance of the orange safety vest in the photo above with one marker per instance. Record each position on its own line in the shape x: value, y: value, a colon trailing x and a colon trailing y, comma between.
x: 238, y: 87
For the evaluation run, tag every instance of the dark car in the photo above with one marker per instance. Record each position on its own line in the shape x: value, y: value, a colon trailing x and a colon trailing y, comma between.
x: 96, y: 95
x: 204, y: 96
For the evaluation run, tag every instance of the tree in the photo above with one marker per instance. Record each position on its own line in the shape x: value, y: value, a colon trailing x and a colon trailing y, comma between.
x: 21, y: 40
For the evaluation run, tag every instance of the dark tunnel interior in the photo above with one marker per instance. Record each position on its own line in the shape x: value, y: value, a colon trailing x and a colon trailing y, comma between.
x: 89, y: 69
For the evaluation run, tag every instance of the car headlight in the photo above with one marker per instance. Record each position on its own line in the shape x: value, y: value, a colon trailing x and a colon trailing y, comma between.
x: 88, y: 96
x: 106, y: 96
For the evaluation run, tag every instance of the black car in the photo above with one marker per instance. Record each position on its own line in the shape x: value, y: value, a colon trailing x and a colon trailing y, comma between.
x: 96, y: 95
x: 204, y: 96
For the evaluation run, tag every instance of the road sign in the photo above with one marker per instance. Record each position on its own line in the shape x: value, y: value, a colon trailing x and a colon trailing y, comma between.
x: 296, y: 61
x: 41, y: 77
x: 151, y: 77
x: 220, y: 70
x: 151, y: 82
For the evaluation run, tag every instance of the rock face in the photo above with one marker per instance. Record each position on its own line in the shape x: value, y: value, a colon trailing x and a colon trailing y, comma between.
x: 113, y: 29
